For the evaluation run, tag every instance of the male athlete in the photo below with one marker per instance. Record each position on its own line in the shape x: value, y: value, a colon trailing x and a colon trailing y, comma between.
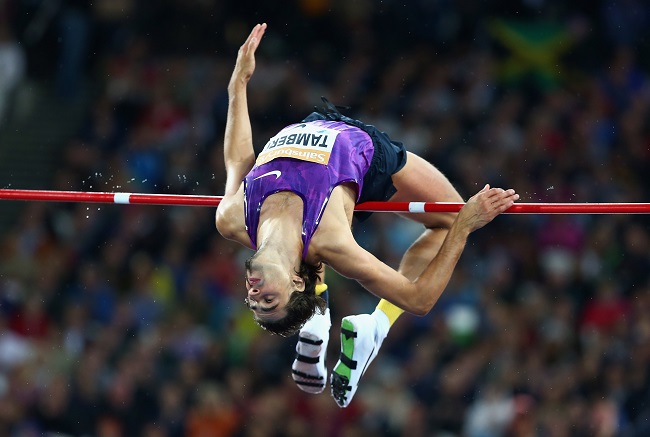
x: 293, y: 204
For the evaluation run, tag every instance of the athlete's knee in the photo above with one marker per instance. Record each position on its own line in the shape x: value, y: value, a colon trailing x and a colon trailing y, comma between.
x: 441, y: 221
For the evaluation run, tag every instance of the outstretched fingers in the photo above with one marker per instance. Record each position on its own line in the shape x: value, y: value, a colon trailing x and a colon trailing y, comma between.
x: 245, y: 64
x: 500, y: 200
x: 253, y: 40
x: 485, y: 205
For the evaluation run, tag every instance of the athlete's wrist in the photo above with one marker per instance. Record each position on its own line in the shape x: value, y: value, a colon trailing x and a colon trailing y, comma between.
x: 237, y: 85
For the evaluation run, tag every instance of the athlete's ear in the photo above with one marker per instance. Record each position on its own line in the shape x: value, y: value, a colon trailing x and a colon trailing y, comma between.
x: 298, y: 283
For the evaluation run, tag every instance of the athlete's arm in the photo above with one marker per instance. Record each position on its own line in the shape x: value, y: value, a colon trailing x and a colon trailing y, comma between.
x: 419, y: 296
x: 239, y: 155
x: 229, y: 218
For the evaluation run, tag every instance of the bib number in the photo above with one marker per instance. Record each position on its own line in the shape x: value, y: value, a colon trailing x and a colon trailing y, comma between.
x: 301, y: 141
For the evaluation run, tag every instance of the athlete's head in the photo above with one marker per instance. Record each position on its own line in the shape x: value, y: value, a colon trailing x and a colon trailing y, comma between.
x: 282, y: 301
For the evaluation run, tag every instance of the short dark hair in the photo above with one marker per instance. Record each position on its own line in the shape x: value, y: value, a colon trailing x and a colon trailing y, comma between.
x: 301, y: 306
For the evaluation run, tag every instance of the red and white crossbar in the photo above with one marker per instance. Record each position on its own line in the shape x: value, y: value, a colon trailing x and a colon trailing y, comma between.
x: 402, y: 207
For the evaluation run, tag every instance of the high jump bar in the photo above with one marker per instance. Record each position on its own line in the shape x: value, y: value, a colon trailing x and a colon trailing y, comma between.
x: 402, y: 207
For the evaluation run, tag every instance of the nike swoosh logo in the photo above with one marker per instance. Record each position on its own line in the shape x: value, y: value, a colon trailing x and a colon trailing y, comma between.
x: 368, y: 361
x: 277, y: 174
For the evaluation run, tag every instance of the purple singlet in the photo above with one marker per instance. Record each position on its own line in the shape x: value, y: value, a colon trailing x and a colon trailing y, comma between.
x: 308, y: 159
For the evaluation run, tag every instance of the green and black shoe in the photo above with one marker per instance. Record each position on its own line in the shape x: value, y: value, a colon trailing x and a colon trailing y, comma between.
x: 360, y: 343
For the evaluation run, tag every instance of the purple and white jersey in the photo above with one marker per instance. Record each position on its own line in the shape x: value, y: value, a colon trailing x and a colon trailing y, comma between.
x: 308, y: 159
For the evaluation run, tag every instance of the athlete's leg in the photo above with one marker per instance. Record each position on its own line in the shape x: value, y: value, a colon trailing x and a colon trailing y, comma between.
x: 419, y: 181
x: 362, y: 335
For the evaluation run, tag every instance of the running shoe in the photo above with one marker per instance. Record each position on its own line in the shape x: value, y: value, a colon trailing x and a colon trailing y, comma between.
x: 360, y: 343
x: 308, y: 369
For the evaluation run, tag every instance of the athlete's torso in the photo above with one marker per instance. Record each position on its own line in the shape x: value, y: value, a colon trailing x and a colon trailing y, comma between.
x: 310, y: 160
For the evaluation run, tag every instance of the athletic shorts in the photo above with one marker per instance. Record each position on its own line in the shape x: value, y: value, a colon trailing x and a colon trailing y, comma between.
x: 388, y: 158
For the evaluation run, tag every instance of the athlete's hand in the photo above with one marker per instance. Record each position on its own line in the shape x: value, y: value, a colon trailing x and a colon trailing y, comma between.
x: 245, y: 65
x: 484, y: 206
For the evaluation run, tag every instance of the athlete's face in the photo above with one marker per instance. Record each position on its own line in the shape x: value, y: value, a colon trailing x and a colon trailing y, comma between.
x: 268, y: 289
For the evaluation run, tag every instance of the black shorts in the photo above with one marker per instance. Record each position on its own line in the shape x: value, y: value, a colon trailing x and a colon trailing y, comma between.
x: 388, y: 158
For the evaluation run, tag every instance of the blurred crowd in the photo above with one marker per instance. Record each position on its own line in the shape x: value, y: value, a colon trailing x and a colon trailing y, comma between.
x: 129, y: 320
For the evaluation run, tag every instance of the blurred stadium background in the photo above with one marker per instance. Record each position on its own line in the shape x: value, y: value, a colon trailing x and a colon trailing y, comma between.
x: 129, y: 321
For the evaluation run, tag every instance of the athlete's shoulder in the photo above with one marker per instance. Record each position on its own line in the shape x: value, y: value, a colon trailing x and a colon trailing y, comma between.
x: 229, y: 217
